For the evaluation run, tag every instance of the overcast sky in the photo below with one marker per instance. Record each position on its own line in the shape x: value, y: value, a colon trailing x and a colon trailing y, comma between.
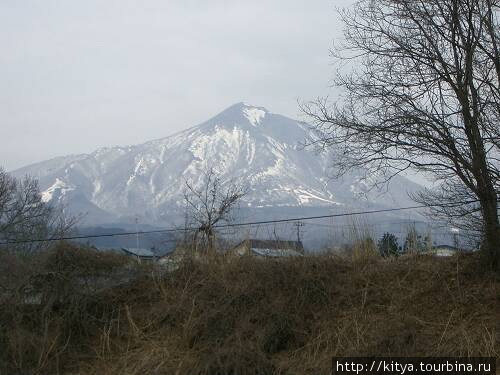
x: 77, y: 75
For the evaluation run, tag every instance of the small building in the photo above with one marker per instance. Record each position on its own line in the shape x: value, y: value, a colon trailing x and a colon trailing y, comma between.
x: 446, y: 250
x: 268, y: 248
x: 141, y: 255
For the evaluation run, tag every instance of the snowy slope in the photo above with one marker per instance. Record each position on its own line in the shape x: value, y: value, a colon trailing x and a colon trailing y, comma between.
x: 244, y: 142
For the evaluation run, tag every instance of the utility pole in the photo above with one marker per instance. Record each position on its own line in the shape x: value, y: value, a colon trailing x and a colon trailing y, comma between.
x: 456, y: 233
x: 185, y: 224
x: 298, y: 224
x: 136, y: 233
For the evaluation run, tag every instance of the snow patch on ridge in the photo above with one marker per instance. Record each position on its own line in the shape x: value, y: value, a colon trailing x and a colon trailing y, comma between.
x: 222, y: 143
x: 254, y: 115
x: 60, y: 186
x: 305, y: 197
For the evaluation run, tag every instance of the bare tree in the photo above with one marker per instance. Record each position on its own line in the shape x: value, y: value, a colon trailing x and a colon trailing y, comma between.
x: 24, y: 216
x: 210, y: 204
x: 424, y: 95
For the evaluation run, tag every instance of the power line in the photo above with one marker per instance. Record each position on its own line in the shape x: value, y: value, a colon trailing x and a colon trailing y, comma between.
x: 341, y: 214
x: 254, y: 223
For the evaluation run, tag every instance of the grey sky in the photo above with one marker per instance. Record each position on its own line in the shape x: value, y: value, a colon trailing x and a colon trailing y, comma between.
x: 77, y: 75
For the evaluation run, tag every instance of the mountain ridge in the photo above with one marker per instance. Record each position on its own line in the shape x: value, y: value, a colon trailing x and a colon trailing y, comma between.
x: 244, y: 142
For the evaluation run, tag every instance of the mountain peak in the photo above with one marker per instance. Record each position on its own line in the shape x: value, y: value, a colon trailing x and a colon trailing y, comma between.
x: 244, y: 105
x: 254, y: 114
x: 240, y: 113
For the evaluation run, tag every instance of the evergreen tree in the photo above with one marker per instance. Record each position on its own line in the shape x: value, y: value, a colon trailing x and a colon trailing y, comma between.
x: 388, y: 245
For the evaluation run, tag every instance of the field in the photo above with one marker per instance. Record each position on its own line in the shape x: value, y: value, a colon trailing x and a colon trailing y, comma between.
x: 75, y: 311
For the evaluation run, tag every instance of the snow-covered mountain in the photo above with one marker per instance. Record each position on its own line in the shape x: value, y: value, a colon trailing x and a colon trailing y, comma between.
x: 245, y: 142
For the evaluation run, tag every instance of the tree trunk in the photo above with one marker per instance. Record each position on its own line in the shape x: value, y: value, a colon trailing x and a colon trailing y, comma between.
x: 210, y: 237
x: 485, y: 189
x: 194, y: 247
x: 491, y: 240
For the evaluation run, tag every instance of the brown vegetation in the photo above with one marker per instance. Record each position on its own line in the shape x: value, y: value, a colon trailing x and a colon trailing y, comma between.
x: 239, y: 316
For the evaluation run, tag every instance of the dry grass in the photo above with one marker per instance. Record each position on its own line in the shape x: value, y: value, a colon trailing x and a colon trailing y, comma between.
x: 249, y: 316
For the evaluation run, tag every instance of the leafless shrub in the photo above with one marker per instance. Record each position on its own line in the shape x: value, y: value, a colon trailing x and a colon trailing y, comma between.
x: 24, y: 216
x: 211, y: 204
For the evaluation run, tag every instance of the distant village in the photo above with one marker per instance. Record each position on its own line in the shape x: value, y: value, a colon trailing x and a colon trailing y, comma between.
x: 256, y: 248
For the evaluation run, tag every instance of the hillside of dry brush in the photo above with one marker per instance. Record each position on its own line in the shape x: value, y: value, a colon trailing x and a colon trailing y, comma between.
x: 78, y: 311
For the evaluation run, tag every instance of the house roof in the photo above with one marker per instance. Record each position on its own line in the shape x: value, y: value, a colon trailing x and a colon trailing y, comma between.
x: 143, y: 253
x: 447, y: 250
x: 273, y: 248
x: 448, y: 247
x: 275, y: 245
x: 275, y: 252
